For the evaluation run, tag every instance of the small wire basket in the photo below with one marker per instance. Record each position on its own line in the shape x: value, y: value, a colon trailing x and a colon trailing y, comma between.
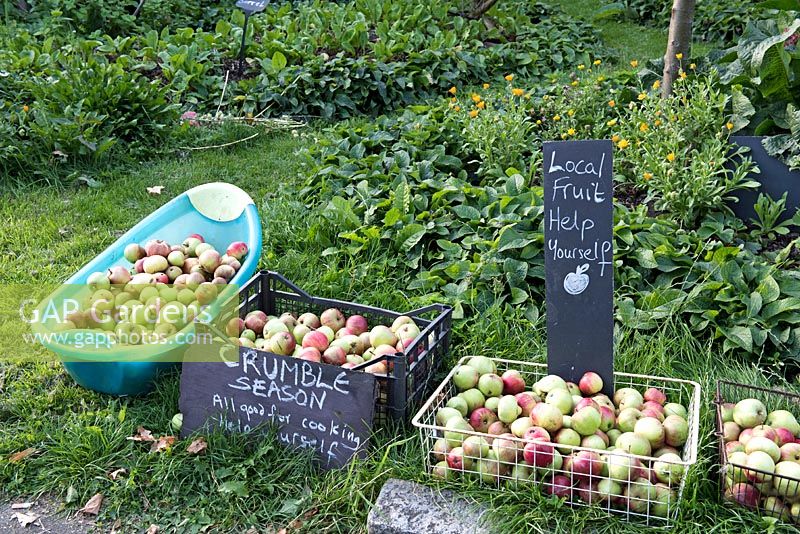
x: 768, y: 493
x: 639, y: 487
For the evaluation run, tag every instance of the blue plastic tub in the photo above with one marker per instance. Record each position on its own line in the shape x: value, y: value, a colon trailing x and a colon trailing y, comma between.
x: 221, y: 213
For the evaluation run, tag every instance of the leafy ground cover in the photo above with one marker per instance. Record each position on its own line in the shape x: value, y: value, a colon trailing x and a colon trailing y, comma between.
x: 438, y: 201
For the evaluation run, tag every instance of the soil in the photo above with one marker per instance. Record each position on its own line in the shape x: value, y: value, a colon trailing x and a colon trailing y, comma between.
x: 631, y: 197
x: 782, y: 241
x: 232, y: 66
x: 50, y: 519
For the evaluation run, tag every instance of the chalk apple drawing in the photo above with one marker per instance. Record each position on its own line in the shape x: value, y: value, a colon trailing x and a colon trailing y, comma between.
x: 577, y: 282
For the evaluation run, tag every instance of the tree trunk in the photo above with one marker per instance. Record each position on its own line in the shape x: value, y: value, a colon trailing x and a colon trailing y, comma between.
x: 481, y: 8
x: 679, y: 44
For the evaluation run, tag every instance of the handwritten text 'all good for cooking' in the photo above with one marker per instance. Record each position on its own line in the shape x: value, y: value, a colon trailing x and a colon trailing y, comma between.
x: 581, y: 183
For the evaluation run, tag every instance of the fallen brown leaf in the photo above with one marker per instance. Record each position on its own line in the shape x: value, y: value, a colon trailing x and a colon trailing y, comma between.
x: 116, y: 526
x: 162, y: 444
x: 21, y: 505
x: 92, y: 506
x: 155, y: 190
x: 116, y: 473
x: 152, y: 529
x: 25, y: 519
x: 142, y: 434
x: 21, y: 455
x: 198, y: 446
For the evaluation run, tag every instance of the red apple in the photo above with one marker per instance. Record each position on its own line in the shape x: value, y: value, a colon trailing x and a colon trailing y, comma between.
x: 585, y: 464
x: 481, y: 418
x: 526, y: 402
x: 513, y: 383
x: 538, y: 453
x: 559, y: 485
x: 784, y: 436
x: 583, y: 403
x: 655, y: 395
x: 590, y: 383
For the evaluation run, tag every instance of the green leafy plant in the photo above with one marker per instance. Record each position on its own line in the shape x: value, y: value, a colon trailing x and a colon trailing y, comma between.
x: 767, y: 224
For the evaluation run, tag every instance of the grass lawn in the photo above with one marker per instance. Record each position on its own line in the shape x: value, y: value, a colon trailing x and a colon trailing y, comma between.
x: 80, y: 437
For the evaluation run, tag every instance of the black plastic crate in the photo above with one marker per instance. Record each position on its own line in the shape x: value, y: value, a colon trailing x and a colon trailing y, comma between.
x: 408, y: 380
x: 773, y: 399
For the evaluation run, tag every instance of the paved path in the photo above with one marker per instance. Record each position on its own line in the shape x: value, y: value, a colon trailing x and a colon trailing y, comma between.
x: 50, y: 520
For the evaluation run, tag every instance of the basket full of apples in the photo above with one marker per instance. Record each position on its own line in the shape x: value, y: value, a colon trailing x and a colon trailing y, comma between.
x: 759, y: 448
x: 402, y: 350
x: 510, y: 424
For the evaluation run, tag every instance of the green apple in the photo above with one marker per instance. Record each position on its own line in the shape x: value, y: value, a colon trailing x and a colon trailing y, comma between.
x: 492, y: 403
x: 561, y: 399
x: 669, y: 469
x: 634, y: 444
x: 760, y: 443
x: 458, y: 403
x: 445, y: 414
x: 491, y: 385
x: 760, y: 467
x: 673, y: 408
x: 651, y: 429
x: 787, y: 483
x: 476, y: 447
x: 785, y: 419
x: 474, y: 398
x: 547, y: 384
x: 749, y: 413
x: 507, y: 409
x: 587, y: 421
x: 452, y: 427
x: 465, y: 377
x: 482, y: 364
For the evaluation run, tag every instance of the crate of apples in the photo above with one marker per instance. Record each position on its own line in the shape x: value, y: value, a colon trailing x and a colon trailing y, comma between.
x: 758, y: 432
x: 509, y: 423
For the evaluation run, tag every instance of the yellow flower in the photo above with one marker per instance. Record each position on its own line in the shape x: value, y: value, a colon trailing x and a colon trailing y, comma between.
x: 679, y: 56
x: 683, y: 75
x: 614, y: 138
x: 671, y: 157
x: 517, y: 91
x: 574, y: 83
x: 473, y: 113
x: 557, y: 118
x: 539, y: 121
x: 457, y: 108
x: 452, y: 90
x: 571, y: 112
x: 454, y: 100
x: 563, y: 136
x: 601, y: 78
x: 656, y: 84
x: 623, y: 144
x: 527, y: 95
x: 596, y: 62
x: 647, y: 176
x: 509, y: 77
x: 571, y: 131
x: 25, y: 108
x: 729, y: 125
x: 693, y: 66
x: 481, y: 105
x: 657, y: 122
x: 642, y: 96
x: 476, y: 98
x: 612, y: 122
x: 643, y: 127
x: 486, y: 86
x: 611, y: 103
x: 634, y: 63
x: 581, y: 66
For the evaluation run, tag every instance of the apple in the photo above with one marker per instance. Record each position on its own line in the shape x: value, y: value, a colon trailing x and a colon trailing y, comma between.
x: 315, y: 339
x: 607, y: 419
x: 639, y: 495
x: 457, y: 460
x: 330, y: 335
x: 561, y: 399
x: 491, y: 385
x: 631, y: 399
x: 783, y: 436
x: 495, y: 429
x: 622, y: 467
x: 634, y: 444
x: 459, y: 404
x: 760, y: 467
x: 482, y: 364
x: 481, y: 418
x: 745, y: 435
x: 474, y: 398
x: 733, y: 446
x: 476, y: 447
x: 760, y: 443
x: 441, y: 470
x: 603, y: 400
x: 613, y: 435
x: 669, y: 469
x: 676, y: 431
x: 654, y: 406
x: 492, y: 403
x: 452, y: 430
x: 590, y: 383
x: 785, y: 419
x: 555, y: 465
x: 655, y: 414
x: 440, y: 449
x: 558, y: 485
x: 573, y: 389
x: 545, y: 385
x: 520, y: 474
x: 584, y: 402
x: 538, y: 453
x: 765, y: 431
x: 594, y: 442
x: 547, y: 416
x: 775, y: 507
x: 507, y: 409
x: 489, y: 469
x: 586, y: 421
x: 465, y: 377
x: 513, y: 383
x: 651, y: 429
x: 520, y: 426
x: 743, y: 494
x: 627, y: 418
x: 787, y: 479
x: 584, y: 465
x: 730, y: 430
x: 749, y: 413
x: 673, y: 408
x: 790, y: 452
x: 506, y: 448
x: 655, y: 395
x: 621, y: 392
x: 526, y: 400
x: 587, y: 491
x: 608, y: 491
x: 445, y: 414
x: 664, y: 498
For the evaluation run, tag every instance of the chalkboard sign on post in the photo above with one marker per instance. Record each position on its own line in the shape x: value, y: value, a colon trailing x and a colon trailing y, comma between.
x: 249, y: 7
x: 318, y: 406
x: 579, y: 256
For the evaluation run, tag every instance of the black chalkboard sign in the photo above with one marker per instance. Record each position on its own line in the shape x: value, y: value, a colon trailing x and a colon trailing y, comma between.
x: 318, y: 406
x: 579, y: 257
x: 775, y: 178
x: 252, y: 6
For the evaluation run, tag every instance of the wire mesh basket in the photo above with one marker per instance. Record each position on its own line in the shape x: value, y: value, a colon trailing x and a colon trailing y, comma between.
x: 639, y: 487
x: 408, y: 374
x: 767, y: 492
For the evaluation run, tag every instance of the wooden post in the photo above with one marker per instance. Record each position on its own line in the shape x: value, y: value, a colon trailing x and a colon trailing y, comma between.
x: 680, y: 42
